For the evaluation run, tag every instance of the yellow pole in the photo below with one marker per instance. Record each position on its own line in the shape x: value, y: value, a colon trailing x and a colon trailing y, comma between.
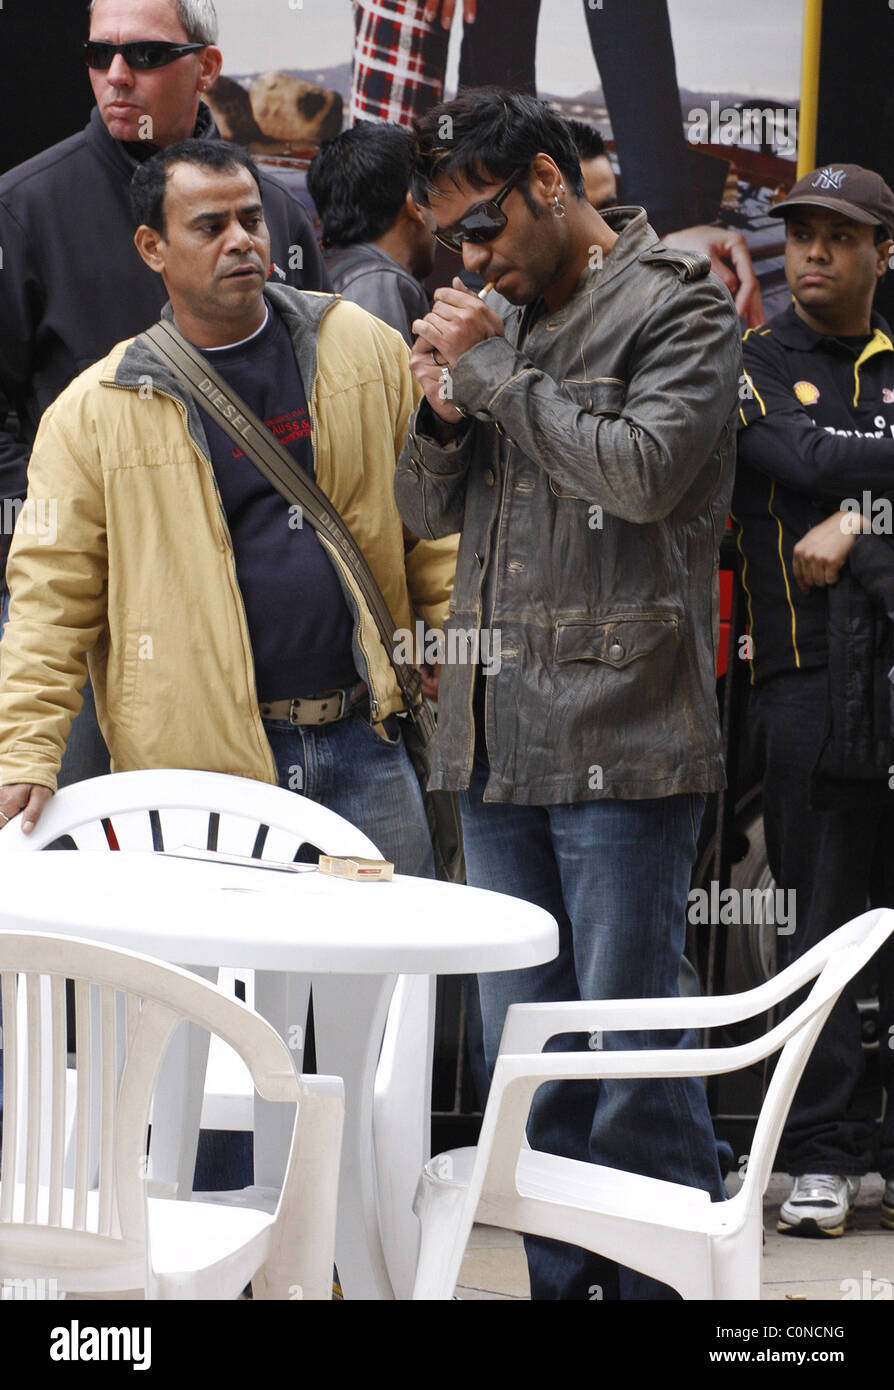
x: 810, y: 62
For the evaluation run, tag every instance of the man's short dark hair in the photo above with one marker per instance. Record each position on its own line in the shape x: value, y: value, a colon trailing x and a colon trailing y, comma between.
x: 590, y: 144
x: 359, y: 181
x: 486, y: 135
x: 148, y: 185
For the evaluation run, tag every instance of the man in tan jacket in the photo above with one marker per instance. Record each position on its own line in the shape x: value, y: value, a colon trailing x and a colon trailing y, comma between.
x: 218, y: 631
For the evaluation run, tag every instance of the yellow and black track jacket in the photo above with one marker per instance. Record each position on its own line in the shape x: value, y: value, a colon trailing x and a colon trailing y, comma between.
x: 816, y: 434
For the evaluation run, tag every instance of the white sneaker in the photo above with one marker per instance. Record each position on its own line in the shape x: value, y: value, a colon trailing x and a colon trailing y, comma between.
x: 819, y: 1204
x: 888, y: 1205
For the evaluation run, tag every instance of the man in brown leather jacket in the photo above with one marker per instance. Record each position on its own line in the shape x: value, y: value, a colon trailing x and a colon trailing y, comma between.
x: 578, y: 431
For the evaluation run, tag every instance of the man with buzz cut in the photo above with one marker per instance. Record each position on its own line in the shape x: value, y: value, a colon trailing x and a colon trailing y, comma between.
x: 72, y: 283
x: 578, y: 430
x: 816, y: 454
x: 219, y: 633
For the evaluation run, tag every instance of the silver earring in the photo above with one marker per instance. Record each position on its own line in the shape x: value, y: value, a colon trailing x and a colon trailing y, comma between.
x: 558, y: 209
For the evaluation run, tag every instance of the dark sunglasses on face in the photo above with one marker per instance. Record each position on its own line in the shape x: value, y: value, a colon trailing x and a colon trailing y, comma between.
x: 482, y: 221
x: 143, y: 54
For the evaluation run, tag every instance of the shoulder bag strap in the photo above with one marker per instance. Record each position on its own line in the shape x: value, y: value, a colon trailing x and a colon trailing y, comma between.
x: 289, y: 479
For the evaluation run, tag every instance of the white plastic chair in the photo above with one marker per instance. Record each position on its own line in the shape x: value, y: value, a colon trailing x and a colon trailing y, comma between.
x: 164, y: 808
x: 704, y: 1249
x: 113, y: 1237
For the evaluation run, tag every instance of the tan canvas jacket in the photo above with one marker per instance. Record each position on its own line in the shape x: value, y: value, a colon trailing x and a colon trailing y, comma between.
x: 122, y: 560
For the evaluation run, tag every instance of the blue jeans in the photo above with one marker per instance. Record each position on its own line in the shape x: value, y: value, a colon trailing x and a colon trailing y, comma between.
x: 85, y: 753
x: 360, y: 776
x: 615, y: 875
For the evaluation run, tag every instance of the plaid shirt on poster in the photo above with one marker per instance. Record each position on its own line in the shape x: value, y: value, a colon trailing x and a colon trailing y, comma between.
x: 399, y: 61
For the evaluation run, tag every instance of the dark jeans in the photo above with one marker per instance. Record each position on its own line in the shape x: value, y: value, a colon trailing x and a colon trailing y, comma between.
x: 615, y: 875
x: 837, y: 861
x: 634, y: 51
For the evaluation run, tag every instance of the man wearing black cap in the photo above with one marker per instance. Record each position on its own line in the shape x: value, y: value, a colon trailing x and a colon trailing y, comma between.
x: 816, y: 468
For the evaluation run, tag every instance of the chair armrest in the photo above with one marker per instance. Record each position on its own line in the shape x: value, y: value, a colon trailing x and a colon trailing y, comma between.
x: 529, y: 1027
x: 599, y: 1063
x: 313, y: 1085
x: 302, y: 1248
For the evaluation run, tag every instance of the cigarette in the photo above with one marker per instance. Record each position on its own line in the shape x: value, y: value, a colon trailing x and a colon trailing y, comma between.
x: 487, y: 289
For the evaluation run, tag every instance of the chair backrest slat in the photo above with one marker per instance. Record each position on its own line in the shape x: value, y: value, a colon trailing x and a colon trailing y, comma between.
x: 90, y: 836
x: 131, y: 1019
x: 59, y: 1075
x: 10, y: 1061
x: 109, y: 1108
x: 35, y: 1078
x: 83, y: 1070
x: 133, y: 829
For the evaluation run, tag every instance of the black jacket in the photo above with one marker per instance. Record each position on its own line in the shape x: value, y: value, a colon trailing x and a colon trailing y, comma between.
x: 817, y: 431
x: 858, y: 755
x: 368, y: 276
x: 72, y: 283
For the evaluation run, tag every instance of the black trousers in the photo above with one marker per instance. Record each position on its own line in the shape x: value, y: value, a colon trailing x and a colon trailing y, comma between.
x: 839, y: 862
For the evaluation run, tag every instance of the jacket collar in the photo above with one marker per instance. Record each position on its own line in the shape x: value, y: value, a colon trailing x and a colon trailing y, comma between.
x: 793, y: 332
x: 634, y: 237
x: 302, y: 311
x: 126, y: 155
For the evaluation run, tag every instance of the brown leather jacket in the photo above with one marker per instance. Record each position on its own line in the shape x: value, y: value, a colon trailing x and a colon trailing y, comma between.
x: 591, y: 490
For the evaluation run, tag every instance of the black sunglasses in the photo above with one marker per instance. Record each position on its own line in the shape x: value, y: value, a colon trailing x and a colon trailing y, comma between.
x: 482, y: 222
x: 143, y: 54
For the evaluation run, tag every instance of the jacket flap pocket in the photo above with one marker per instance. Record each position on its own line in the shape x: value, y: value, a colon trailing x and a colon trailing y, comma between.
x: 617, y: 641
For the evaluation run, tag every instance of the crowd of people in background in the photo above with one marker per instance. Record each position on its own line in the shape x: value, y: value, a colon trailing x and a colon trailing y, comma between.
x: 543, y: 448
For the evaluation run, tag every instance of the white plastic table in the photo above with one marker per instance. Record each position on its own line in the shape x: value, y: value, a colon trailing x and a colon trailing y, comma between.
x: 351, y: 939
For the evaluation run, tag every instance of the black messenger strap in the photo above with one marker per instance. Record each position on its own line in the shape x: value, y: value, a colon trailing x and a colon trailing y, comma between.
x: 281, y: 470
